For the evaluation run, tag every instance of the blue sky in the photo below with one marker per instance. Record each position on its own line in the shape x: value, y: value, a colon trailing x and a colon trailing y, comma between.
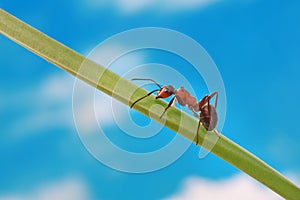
x: 255, y: 45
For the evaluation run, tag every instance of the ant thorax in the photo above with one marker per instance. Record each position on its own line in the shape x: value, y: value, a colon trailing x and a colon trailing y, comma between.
x: 184, y: 98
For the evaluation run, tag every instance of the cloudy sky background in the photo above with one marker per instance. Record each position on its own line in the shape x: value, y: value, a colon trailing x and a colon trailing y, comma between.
x: 255, y: 45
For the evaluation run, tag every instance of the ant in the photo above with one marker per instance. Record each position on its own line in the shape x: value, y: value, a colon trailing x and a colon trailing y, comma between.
x: 208, y: 114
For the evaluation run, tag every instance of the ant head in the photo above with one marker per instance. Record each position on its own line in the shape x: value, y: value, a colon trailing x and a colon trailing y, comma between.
x: 165, y: 92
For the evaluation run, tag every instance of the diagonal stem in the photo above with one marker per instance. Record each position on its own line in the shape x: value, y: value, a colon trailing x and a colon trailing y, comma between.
x: 70, y: 61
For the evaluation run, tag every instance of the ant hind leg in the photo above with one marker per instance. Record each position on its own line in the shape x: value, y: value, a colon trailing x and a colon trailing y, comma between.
x: 195, y: 114
x: 216, y: 99
x: 218, y: 133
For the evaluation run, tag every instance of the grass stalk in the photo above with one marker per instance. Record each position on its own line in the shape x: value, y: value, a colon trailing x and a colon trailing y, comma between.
x: 185, y: 125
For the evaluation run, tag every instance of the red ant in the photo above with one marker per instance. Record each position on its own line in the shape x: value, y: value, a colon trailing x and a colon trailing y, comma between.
x: 208, y: 114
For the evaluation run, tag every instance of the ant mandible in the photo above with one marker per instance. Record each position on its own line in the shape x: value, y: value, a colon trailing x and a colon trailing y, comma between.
x: 208, y: 114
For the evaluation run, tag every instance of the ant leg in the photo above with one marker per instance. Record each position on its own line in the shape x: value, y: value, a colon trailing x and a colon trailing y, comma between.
x: 143, y: 97
x: 218, y: 133
x: 198, y: 131
x: 206, y: 99
x: 174, y: 104
x: 195, y: 114
x: 202, y: 102
x: 208, y: 102
x: 170, y: 103
x: 216, y: 100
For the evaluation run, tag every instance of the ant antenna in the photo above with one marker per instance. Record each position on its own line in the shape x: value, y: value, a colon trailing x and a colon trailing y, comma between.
x: 146, y: 79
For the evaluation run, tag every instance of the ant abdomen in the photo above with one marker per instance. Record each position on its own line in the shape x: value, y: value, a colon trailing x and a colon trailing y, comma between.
x: 209, y: 117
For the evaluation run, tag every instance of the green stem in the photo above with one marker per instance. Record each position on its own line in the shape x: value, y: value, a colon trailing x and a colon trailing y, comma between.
x: 183, y: 124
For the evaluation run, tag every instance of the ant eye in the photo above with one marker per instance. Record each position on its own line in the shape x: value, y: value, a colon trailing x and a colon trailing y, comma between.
x: 166, y: 91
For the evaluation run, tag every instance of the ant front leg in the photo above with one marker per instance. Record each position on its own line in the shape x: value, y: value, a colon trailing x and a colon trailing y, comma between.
x: 143, y: 97
x: 170, y: 103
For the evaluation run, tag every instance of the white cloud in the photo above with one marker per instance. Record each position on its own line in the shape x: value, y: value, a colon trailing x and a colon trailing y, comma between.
x: 49, y: 104
x: 58, y: 87
x: 187, y: 5
x: 134, y: 6
x: 234, y: 188
x: 91, y: 107
x: 56, y: 93
x: 119, y: 58
x: 67, y: 189
x: 294, y: 177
